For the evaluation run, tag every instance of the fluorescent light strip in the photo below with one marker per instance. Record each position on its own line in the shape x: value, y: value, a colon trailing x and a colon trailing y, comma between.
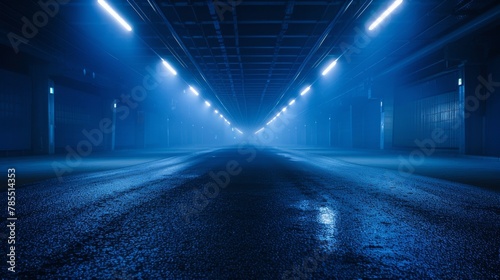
x: 305, y: 90
x: 291, y: 102
x: 259, y: 131
x: 216, y: 111
x: 385, y: 14
x: 239, y: 131
x: 193, y: 91
x: 283, y: 110
x: 207, y: 103
x: 329, y: 67
x: 170, y: 68
x: 112, y: 12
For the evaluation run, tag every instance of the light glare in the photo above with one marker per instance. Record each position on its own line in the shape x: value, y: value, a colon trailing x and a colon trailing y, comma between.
x: 170, y: 68
x: 193, y: 91
x: 259, y: 131
x: 112, y: 12
x: 329, y: 67
x: 306, y: 90
x: 385, y: 14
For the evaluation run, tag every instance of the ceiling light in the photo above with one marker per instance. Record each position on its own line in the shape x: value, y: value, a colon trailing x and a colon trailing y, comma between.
x: 259, y: 131
x: 207, y: 103
x: 385, y: 14
x: 306, y: 90
x: 292, y: 102
x: 193, y: 91
x: 329, y: 67
x: 112, y: 12
x: 283, y: 110
x: 170, y: 68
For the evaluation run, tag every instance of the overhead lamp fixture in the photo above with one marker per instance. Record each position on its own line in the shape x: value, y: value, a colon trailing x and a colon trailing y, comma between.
x: 279, y: 114
x: 193, y: 91
x: 113, y: 13
x: 385, y: 14
x: 259, y: 131
x: 170, y: 68
x: 221, y: 116
x: 283, y: 110
x: 306, y: 90
x: 239, y: 131
x: 207, y: 103
x: 291, y: 102
x: 329, y: 67
x: 216, y: 111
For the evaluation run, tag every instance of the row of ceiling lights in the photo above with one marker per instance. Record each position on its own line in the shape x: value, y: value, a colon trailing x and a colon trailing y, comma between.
x: 371, y: 27
x: 127, y: 27
x: 325, y: 72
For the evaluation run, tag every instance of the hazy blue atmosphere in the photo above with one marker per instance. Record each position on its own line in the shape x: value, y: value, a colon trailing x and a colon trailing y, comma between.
x: 239, y: 139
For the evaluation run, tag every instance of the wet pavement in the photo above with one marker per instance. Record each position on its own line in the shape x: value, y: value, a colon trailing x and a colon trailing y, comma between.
x: 254, y: 214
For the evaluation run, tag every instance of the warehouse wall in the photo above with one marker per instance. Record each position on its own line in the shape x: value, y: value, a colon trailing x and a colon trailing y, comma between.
x: 15, y: 112
x: 425, y: 106
x: 76, y: 112
x: 492, y: 123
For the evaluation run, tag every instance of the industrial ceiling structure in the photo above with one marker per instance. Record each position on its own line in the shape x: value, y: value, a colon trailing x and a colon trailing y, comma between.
x: 248, y: 59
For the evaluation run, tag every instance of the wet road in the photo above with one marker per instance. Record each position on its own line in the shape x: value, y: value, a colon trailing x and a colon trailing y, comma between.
x: 254, y: 214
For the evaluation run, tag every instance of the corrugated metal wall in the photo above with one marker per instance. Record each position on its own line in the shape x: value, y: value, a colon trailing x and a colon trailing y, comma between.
x: 424, y: 107
x: 75, y: 111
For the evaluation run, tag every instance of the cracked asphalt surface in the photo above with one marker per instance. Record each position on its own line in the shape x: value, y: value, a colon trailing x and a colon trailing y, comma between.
x: 274, y: 214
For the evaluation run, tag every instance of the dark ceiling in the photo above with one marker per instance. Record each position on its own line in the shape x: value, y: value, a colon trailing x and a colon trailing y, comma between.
x: 251, y: 57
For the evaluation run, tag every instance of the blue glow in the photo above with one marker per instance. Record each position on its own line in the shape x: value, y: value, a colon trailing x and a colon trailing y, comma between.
x: 51, y: 90
x: 112, y: 12
x: 306, y: 90
x: 459, y: 81
x: 259, y: 131
x: 169, y: 67
x: 193, y: 91
x: 385, y: 14
x: 329, y: 67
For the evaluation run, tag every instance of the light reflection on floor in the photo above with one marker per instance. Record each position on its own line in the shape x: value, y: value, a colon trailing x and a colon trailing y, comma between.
x: 328, y: 219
